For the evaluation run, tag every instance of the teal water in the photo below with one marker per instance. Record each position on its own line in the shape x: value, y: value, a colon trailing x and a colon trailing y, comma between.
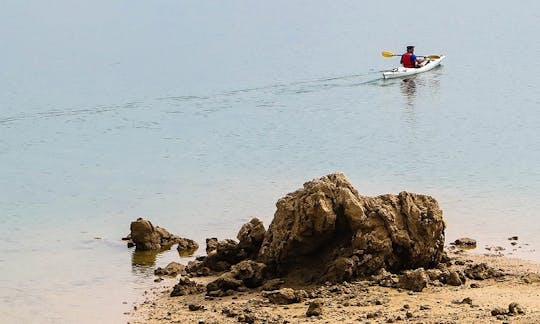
x: 199, y: 116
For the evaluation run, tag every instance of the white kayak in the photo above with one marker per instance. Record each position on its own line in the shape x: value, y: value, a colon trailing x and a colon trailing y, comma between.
x: 434, y: 61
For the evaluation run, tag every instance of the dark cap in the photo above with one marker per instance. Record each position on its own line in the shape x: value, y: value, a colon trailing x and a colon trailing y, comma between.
x: 410, y: 47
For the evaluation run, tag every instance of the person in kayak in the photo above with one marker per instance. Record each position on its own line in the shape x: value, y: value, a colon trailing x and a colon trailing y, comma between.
x: 409, y: 60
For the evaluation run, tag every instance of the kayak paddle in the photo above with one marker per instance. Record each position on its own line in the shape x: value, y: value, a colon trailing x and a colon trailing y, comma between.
x: 390, y: 54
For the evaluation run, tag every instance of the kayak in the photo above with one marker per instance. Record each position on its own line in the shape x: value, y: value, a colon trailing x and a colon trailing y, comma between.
x: 434, y: 61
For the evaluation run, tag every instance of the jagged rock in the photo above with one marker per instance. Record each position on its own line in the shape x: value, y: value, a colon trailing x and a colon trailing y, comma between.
x: 326, y: 231
x: 273, y: 284
x: 224, y: 283
x: 250, y: 272
x: 282, y: 296
x: 251, y: 236
x: 221, y: 255
x: 482, y: 271
x: 211, y: 244
x: 166, y: 238
x: 341, y: 269
x: 435, y: 274
x: 455, y: 278
x: 465, y: 242
x: 197, y: 268
x: 146, y: 236
x: 415, y: 280
x: 225, y: 254
x: 186, y: 246
x: 186, y: 287
x: 515, y: 309
x: 385, y: 278
x: 314, y: 308
x: 172, y: 269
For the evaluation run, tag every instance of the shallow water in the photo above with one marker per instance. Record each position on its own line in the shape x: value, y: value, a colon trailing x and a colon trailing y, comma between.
x: 112, y: 112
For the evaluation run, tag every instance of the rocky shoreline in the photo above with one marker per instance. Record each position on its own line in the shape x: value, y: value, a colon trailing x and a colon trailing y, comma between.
x: 332, y: 255
x: 513, y: 297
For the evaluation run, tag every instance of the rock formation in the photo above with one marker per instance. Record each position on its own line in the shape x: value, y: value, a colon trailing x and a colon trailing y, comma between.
x: 327, y: 231
x: 146, y: 237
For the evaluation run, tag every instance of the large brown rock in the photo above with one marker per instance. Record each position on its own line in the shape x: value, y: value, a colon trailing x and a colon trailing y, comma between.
x: 327, y: 231
x: 146, y: 236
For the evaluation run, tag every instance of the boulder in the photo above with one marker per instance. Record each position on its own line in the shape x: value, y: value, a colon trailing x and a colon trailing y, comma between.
x: 283, y: 296
x: 211, y: 244
x: 147, y: 237
x: 465, y: 242
x: 516, y: 309
x: 250, y: 272
x: 314, y: 308
x: 415, y: 280
x: 251, y: 236
x: 172, y: 269
x: 186, y: 287
x: 144, y: 235
x: 326, y: 231
x: 223, y: 283
x: 186, y: 246
x: 223, y: 255
x: 454, y: 278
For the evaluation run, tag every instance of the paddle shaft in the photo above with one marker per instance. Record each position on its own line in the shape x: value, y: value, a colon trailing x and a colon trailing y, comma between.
x: 390, y: 54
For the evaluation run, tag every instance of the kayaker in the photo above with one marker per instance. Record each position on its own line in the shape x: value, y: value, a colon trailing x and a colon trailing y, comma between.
x: 409, y: 60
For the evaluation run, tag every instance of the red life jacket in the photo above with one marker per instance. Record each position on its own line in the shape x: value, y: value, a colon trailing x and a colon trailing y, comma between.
x: 406, y: 60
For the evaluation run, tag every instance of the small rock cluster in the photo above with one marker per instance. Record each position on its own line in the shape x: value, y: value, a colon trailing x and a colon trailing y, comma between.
x: 327, y: 232
x: 147, y: 237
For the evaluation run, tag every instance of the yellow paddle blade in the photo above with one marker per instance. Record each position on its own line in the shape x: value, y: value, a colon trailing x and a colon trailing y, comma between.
x: 434, y: 57
x: 387, y: 54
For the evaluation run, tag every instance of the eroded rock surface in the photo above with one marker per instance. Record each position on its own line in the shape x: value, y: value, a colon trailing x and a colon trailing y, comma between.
x: 327, y: 231
x: 146, y: 237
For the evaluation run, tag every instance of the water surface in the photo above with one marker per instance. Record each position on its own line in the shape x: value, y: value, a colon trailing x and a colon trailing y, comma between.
x: 199, y: 116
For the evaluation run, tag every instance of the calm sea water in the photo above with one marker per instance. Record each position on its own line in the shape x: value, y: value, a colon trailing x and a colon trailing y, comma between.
x: 200, y: 115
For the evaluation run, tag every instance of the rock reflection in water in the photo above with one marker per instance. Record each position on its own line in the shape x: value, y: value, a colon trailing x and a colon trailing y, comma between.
x: 144, y: 258
x: 187, y: 253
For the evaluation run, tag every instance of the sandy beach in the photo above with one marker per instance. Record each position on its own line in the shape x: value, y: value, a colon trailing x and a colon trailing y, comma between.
x: 476, y: 301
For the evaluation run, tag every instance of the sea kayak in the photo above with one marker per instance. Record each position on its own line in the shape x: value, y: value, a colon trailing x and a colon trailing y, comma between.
x: 434, y: 61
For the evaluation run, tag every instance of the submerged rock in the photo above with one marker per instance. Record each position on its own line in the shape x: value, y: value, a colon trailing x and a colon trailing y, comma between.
x: 146, y: 237
x: 465, y: 242
x: 186, y: 246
